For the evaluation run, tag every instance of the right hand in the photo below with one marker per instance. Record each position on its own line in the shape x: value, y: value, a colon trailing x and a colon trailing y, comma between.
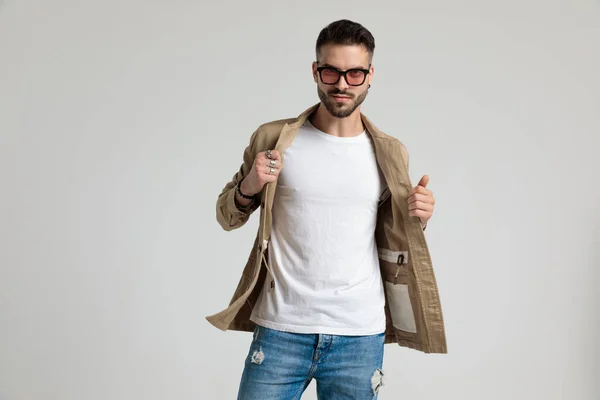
x: 259, y: 174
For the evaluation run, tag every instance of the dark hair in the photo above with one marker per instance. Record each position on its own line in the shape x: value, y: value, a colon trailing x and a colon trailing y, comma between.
x: 346, y: 32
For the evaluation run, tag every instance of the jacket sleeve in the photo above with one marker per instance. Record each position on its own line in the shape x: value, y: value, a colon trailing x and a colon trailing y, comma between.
x: 229, y: 216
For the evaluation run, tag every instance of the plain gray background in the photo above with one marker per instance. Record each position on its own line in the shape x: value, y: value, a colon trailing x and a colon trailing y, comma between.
x: 121, y: 121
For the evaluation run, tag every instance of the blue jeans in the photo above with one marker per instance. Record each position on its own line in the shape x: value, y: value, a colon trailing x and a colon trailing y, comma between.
x: 280, y: 365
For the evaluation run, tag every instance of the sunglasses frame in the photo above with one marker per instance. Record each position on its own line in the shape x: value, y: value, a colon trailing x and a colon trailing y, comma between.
x: 343, y: 74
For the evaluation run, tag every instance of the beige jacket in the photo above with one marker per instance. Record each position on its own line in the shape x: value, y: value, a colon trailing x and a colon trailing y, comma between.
x: 413, y: 310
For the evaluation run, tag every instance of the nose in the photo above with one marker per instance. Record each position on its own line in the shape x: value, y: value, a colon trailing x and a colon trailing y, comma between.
x: 342, y: 84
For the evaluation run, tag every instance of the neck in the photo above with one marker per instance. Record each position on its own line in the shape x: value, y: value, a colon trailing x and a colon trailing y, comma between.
x: 343, y: 127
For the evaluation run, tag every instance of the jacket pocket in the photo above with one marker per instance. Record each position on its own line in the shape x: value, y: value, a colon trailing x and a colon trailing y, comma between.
x: 394, y: 267
x: 403, y: 317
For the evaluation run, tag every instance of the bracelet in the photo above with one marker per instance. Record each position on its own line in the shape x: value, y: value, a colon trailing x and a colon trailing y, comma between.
x: 242, y: 194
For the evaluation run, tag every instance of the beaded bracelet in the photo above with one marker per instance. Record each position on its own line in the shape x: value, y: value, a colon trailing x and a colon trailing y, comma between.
x: 242, y: 194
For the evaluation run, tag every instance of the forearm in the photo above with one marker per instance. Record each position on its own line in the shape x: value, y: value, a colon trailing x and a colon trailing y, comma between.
x: 232, y: 210
x: 240, y: 201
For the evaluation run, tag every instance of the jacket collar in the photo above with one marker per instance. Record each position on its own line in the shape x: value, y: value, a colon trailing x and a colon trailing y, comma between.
x: 301, y: 119
x: 287, y: 135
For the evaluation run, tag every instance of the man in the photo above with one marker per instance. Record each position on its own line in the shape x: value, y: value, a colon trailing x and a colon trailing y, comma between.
x: 347, y: 267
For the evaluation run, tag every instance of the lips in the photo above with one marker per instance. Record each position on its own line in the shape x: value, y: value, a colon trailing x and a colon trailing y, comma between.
x: 341, y: 98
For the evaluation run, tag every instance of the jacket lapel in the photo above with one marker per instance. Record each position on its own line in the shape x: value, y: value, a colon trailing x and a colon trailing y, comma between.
x: 287, y: 135
x: 383, y: 147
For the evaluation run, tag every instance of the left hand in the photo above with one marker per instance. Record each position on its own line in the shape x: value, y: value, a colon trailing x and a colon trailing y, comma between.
x: 421, y: 201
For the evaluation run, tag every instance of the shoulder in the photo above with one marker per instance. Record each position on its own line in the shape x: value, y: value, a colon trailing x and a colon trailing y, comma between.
x: 272, y: 128
x: 395, y: 143
x: 395, y: 147
x: 266, y: 135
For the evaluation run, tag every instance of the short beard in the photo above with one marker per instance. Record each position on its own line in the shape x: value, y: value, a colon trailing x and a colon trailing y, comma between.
x: 332, y: 106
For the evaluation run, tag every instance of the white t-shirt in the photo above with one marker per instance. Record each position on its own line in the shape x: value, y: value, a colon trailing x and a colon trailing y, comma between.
x: 322, y: 250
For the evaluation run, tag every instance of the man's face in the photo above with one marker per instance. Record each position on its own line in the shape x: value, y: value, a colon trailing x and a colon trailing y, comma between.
x: 341, y: 99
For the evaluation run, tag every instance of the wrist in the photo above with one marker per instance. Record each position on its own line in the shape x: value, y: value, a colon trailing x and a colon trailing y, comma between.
x: 246, y: 192
x: 242, y: 203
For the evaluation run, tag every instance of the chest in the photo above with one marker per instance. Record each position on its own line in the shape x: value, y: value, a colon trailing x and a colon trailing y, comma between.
x: 321, y: 170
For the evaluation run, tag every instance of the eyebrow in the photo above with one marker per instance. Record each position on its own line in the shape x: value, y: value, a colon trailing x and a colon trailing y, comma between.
x: 333, y: 66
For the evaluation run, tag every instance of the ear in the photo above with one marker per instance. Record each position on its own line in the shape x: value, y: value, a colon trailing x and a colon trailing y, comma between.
x: 314, y: 72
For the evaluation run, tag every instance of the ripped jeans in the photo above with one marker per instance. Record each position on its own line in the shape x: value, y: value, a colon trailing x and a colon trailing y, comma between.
x: 280, y: 365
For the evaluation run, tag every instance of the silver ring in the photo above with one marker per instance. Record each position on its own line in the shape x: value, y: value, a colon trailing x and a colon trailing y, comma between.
x: 269, y: 155
x: 272, y: 163
x: 272, y: 171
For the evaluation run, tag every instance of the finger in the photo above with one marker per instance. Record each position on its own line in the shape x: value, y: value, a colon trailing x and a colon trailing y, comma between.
x: 424, y: 181
x: 419, y: 213
x: 421, y: 197
x: 267, y: 167
x: 419, y: 189
x: 267, y: 171
x: 275, y: 155
x: 420, y: 205
x: 269, y: 178
x: 267, y: 162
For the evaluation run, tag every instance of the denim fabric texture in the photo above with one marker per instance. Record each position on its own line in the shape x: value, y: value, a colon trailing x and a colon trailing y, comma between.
x: 280, y: 365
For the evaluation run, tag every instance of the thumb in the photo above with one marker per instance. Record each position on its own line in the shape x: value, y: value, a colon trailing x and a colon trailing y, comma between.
x: 424, y: 181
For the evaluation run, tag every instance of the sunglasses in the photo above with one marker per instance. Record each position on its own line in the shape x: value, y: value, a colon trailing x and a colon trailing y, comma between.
x: 354, y: 77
